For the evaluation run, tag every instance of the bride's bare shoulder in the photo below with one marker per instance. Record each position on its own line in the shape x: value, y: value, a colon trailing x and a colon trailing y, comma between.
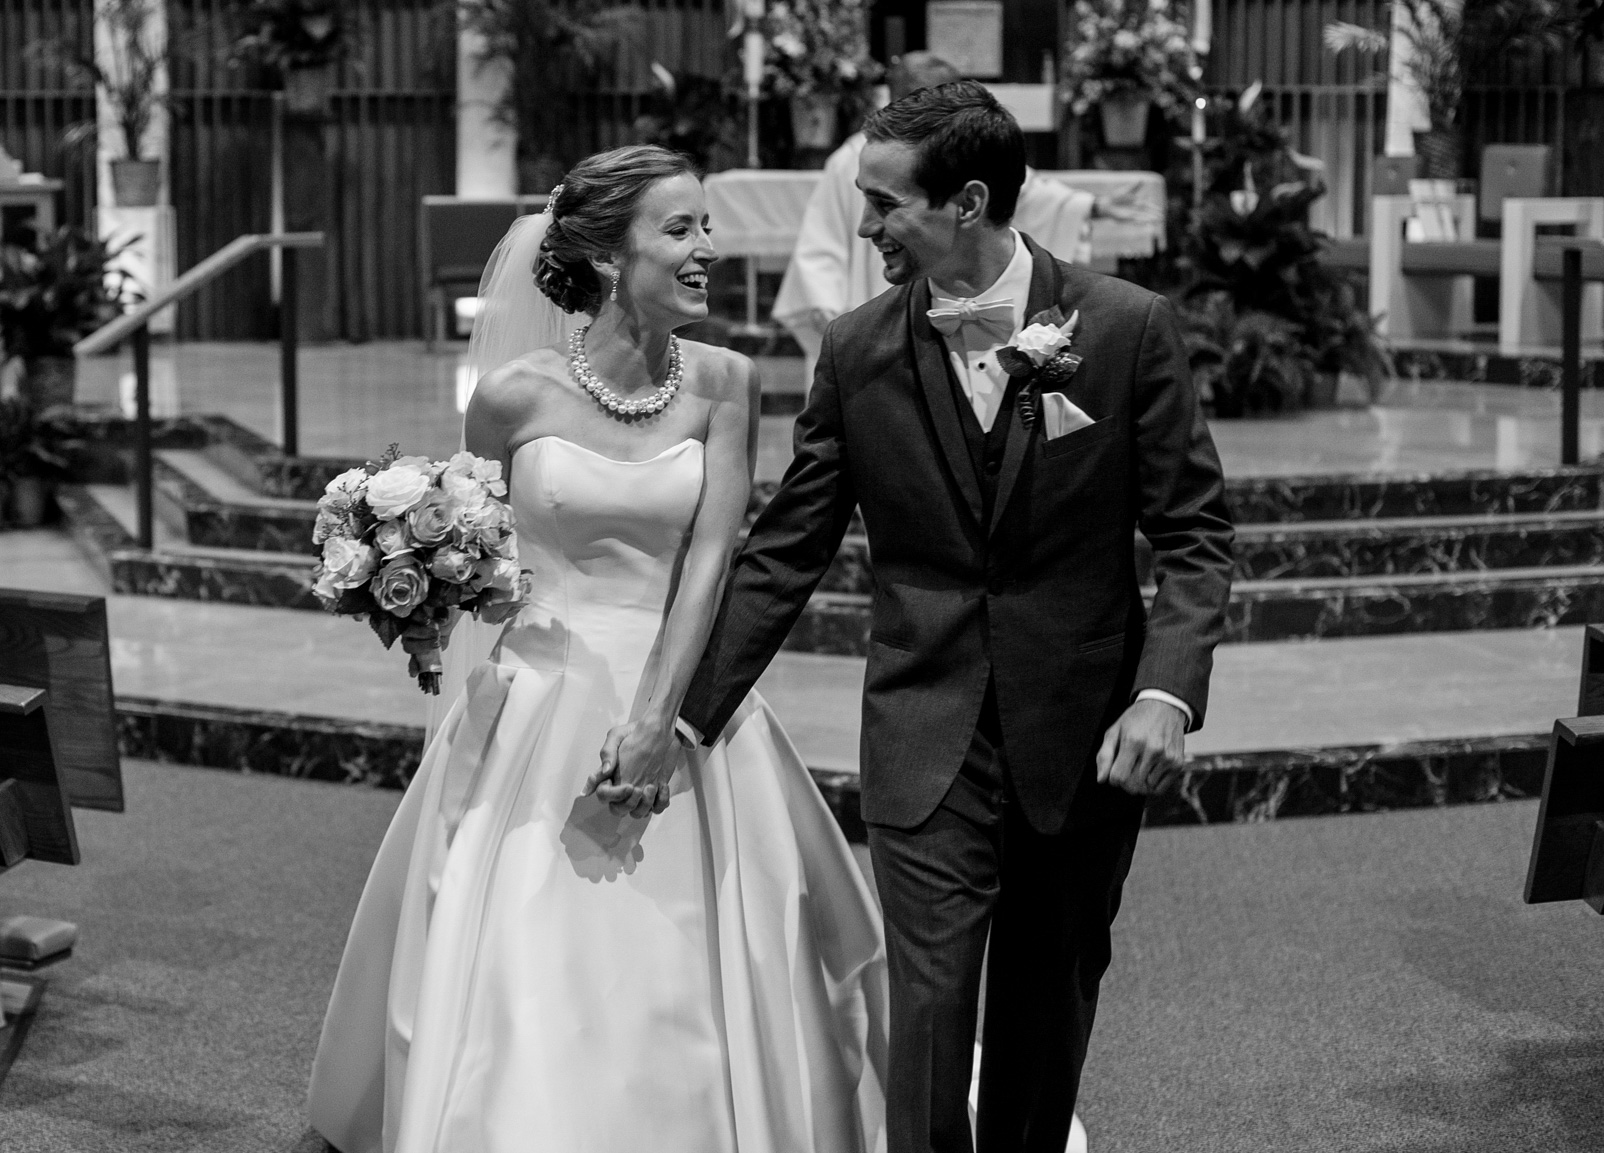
x: 515, y: 387
x: 721, y: 374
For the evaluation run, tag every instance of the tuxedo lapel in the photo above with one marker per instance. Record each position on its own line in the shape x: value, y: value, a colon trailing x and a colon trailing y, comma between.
x: 1045, y: 289
x: 933, y: 371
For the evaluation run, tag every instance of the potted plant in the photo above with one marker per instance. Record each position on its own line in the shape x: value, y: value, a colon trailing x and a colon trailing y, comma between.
x: 1247, y: 362
x: 53, y: 293
x: 1449, y: 42
x: 547, y: 47
x: 300, y: 40
x: 1123, y: 56
x: 696, y: 115
x: 817, y: 58
x: 1251, y: 254
x: 127, y: 67
x: 35, y: 448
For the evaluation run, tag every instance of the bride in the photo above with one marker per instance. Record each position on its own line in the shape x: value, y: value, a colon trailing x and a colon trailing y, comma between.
x: 554, y: 953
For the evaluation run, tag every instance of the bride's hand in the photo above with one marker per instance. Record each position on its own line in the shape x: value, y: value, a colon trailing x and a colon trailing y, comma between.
x: 637, y: 760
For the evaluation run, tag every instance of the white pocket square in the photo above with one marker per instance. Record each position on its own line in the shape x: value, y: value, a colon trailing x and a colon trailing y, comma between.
x: 1061, y: 415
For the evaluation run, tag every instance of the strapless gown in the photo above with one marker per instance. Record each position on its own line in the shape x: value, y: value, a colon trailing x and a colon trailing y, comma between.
x: 529, y: 973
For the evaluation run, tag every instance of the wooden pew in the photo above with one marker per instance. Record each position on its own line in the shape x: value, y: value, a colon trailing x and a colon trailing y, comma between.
x: 1567, y: 860
x: 58, y: 642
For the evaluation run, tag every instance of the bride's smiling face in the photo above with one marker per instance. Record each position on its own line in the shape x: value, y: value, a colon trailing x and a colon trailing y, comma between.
x: 664, y: 274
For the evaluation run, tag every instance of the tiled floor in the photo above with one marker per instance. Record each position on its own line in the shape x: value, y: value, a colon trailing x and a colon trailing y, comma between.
x: 355, y: 399
x: 1367, y: 690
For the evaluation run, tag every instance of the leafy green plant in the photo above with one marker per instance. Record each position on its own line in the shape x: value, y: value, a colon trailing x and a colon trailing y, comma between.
x: 699, y: 116
x: 36, y: 444
x: 1245, y: 363
x: 1252, y: 256
x: 288, y: 34
x: 59, y: 290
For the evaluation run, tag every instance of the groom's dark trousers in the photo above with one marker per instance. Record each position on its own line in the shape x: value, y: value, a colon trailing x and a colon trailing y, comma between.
x: 1008, y: 633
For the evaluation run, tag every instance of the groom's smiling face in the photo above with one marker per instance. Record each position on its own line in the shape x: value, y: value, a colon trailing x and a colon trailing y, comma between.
x: 914, y: 238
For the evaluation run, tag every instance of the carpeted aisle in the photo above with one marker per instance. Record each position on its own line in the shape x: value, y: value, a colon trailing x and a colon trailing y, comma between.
x: 1346, y: 983
x: 1352, y: 983
x: 211, y: 914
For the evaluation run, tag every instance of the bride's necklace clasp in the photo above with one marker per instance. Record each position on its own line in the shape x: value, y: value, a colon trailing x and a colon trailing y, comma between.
x: 610, y: 400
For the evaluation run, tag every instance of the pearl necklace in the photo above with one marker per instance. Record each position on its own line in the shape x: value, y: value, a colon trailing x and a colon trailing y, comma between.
x: 610, y: 400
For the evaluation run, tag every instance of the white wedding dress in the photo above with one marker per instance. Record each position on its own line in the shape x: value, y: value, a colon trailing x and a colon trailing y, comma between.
x: 529, y: 973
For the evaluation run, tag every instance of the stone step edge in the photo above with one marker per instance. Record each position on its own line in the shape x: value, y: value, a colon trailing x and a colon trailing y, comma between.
x: 1215, y: 788
x: 258, y: 463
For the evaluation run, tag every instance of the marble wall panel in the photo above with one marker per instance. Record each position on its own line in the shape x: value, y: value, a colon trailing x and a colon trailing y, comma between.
x: 1240, y: 787
x: 1363, y: 779
x: 1301, y: 498
x: 317, y: 748
x: 1283, y: 610
x: 1366, y: 548
x: 1489, y: 368
x: 203, y: 578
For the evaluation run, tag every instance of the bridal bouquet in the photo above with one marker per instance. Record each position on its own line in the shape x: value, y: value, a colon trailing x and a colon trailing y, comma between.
x: 406, y: 540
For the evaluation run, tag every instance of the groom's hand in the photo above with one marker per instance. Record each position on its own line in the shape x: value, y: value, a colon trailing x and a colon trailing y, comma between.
x: 1143, y: 750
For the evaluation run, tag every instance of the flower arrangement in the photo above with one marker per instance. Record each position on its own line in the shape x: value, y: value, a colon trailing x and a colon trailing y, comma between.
x: 817, y: 46
x: 1119, y: 47
x: 406, y: 540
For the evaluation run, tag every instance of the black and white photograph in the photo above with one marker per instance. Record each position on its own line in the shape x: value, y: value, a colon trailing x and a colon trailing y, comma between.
x: 801, y: 576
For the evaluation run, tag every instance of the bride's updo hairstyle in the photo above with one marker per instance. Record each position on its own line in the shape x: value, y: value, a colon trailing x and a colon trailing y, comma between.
x: 590, y: 219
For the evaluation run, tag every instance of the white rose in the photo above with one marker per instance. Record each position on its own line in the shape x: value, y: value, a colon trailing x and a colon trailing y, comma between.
x: 343, y: 490
x: 393, y: 537
x: 396, y: 489
x: 348, y: 563
x: 1041, y: 341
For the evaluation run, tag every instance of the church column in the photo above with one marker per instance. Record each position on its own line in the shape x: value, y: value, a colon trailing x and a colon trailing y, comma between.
x: 487, y: 148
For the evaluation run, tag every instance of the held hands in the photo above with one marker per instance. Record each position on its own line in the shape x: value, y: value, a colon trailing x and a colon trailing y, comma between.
x: 1143, y: 750
x: 637, y: 760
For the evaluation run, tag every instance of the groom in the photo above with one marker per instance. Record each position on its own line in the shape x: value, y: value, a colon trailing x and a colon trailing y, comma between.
x: 1019, y: 700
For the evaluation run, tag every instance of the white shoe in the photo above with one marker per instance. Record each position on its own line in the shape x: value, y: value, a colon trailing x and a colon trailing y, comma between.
x: 1077, y: 1131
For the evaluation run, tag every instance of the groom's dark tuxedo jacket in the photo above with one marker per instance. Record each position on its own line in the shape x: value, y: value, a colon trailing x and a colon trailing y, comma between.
x: 1006, y: 558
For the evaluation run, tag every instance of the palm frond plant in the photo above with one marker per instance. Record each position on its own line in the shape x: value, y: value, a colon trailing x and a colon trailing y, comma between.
x: 1450, y: 42
x: 126, y: 67
x: 549, y: 50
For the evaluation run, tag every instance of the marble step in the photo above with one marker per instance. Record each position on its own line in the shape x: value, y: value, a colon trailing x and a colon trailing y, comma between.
x: 263, y: 469
x: 1356, y: 548
x: 1313, y: 608
x: 837, y: 618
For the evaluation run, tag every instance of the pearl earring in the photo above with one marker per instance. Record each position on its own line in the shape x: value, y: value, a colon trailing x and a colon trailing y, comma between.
x: 614, y: 295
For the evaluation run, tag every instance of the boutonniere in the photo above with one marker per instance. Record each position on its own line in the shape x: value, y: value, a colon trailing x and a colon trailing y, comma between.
x: 1042, y: 357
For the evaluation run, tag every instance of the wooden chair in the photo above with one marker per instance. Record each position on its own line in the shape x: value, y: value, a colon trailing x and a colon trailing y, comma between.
x: 455, y: 241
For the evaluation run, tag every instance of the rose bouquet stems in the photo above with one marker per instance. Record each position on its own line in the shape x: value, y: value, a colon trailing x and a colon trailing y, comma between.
x: 408, y: 543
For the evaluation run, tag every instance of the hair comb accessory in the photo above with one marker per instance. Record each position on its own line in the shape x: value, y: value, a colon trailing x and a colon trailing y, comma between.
x: 551, y: 199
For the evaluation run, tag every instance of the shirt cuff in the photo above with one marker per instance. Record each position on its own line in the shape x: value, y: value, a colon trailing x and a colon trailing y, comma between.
x: 1167, y: 698
x: 690, y: 738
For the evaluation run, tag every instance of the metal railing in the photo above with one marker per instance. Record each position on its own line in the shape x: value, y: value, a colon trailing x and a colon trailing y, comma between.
x: 134, y: 325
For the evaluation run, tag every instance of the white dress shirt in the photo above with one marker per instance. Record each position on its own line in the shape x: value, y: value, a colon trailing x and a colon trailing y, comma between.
x: 973, y: 356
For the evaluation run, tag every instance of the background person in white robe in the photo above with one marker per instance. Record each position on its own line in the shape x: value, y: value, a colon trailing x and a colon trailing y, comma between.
x: 833, y: 269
